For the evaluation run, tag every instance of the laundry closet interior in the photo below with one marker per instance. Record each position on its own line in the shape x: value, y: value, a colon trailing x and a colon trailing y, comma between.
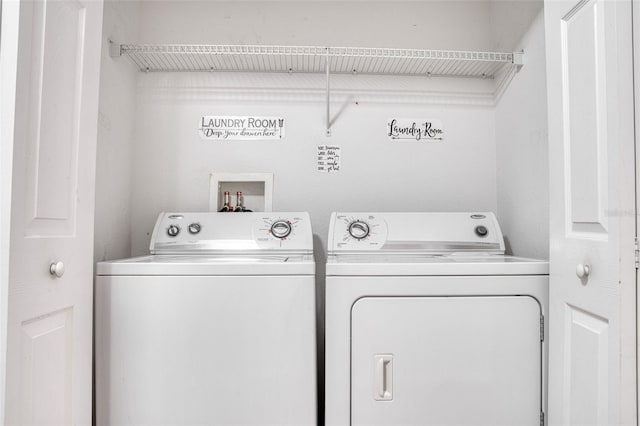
x: 493, y: 156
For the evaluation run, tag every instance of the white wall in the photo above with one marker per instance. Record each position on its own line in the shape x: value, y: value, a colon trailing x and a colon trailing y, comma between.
x: 522, y: 152
x: 115, y: 135
x: 431, y: 24
x: 511, y: 20
x: 172, y: 164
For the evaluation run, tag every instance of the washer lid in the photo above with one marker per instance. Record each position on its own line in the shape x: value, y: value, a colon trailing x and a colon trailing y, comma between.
x: 416, y: 233
x: 209, y: 265
x: 231, y: 233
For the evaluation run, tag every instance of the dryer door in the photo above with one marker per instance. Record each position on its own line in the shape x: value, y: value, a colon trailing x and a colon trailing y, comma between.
x: 446, y: 361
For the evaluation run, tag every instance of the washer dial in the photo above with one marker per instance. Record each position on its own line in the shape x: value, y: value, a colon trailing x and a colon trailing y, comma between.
x: 481, y: 231
x: 359, y: 229
x: 194, y: 228
x: 281, y: 229
x: 173, y: 230
x: 275, y: 231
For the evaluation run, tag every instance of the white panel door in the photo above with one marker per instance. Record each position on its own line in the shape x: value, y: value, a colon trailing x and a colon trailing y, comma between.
x: 629, y: 298
x: 446, y: 361
x: 50, y: 311
x: 590, y: 95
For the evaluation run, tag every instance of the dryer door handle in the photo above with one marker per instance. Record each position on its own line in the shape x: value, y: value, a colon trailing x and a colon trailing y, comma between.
x: 383, y: 379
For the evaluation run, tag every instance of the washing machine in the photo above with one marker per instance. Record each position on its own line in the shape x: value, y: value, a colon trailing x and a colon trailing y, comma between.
x: 216, y: 327
x: 428, y: 322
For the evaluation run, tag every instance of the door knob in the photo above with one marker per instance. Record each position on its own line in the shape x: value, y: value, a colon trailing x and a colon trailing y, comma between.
x: 583, y: 271
x: 57, y: 269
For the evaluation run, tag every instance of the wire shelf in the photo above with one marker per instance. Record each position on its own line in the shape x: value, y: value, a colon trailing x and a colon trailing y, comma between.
x: 313, y: 59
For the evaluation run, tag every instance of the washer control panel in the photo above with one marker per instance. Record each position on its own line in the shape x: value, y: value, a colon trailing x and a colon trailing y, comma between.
x: 359, y: 231
x: 213, y: 232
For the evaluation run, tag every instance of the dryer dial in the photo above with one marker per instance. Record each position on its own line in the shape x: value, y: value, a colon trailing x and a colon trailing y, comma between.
x: 359, y: 229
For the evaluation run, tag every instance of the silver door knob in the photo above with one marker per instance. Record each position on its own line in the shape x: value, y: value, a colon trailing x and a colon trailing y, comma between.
x: 583, y: 271
x: 57, y: 269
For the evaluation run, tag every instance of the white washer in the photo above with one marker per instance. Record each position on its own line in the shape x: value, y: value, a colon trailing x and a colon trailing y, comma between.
x: 429, y: 323
x: 216, y: 327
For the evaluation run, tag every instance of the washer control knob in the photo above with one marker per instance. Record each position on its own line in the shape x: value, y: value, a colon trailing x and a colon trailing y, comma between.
x: 195, y: 228
x: 358, y: 229
x: 173, y: 230
x: 281, y: 229
x: 481, y: 231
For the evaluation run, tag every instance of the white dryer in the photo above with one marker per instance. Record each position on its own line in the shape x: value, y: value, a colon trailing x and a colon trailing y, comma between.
x: 216, y: 327
x: 429, y: 323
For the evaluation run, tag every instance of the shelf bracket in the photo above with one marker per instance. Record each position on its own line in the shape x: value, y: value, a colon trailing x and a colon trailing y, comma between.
x: 518, y: 59
x: 328, y: 73
x: 115, y: 49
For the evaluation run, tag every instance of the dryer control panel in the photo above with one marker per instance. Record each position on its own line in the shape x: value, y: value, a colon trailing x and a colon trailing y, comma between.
x: 359, y: 231
x: 218, y: 233
x: 429, y: 233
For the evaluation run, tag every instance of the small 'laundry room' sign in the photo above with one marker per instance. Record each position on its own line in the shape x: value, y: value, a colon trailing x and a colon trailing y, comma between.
x: 213, y: 127
x: 419, y: 130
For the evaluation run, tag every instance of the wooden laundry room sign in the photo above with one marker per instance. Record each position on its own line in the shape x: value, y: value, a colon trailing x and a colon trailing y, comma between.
x: 213, y: 127
x: 418, y: 130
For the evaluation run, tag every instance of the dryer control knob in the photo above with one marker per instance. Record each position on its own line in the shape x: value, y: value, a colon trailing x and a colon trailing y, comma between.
x: 359, y: 229
x: 173, y: 230
x: 281, y: 229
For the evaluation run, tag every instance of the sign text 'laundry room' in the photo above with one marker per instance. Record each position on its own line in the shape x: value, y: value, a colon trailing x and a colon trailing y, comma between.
x: 212, y: 127
x: 419, y: 130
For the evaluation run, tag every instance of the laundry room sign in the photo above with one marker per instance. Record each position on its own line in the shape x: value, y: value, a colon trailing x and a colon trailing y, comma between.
x: 213, y: 127
x: 328, y: 158
x: 419, y: 130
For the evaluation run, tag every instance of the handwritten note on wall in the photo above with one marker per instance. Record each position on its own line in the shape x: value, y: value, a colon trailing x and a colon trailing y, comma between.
x: 241, y: 128
x: 328, y: 158
x: 418, y: 130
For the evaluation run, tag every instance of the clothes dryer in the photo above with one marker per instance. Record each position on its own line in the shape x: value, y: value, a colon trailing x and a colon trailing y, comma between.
x: 215, y: 327
x: 428, y: 322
